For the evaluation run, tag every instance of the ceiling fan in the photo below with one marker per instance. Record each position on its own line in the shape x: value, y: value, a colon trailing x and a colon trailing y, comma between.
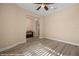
x: 43, y: 5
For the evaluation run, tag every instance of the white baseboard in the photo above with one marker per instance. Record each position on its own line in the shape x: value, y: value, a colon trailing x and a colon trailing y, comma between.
x: 11, y: 46
x: 57, y: 39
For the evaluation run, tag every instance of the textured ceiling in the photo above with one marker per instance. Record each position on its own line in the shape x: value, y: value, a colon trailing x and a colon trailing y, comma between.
x: 32, y: 7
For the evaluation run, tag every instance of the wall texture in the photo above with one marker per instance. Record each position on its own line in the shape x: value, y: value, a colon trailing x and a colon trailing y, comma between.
x: 13, y: 24
x: 63, y: 25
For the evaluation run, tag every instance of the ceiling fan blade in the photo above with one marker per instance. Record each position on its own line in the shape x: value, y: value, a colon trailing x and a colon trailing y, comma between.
x: 38, y: 8
x: 50, y: 3
x: 46, y: 8
x: 44, y: 3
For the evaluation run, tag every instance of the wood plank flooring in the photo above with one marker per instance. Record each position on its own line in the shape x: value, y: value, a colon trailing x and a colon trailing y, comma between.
x: 42, y: 47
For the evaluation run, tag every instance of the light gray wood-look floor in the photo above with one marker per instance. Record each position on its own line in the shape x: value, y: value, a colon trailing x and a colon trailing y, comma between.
x: 43, y: 47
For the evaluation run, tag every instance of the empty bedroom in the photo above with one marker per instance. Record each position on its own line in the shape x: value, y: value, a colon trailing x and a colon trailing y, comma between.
x: 39, y: 29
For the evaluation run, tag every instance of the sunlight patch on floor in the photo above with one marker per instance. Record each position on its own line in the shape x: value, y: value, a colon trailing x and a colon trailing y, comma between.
x: 39, y: 50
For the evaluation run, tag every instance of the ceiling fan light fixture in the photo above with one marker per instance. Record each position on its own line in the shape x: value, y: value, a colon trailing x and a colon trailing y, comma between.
x: 42, y: 5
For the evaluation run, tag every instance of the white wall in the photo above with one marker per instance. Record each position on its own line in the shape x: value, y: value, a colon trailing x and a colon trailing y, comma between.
x: 63, y: 25
x: 13, y: 24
